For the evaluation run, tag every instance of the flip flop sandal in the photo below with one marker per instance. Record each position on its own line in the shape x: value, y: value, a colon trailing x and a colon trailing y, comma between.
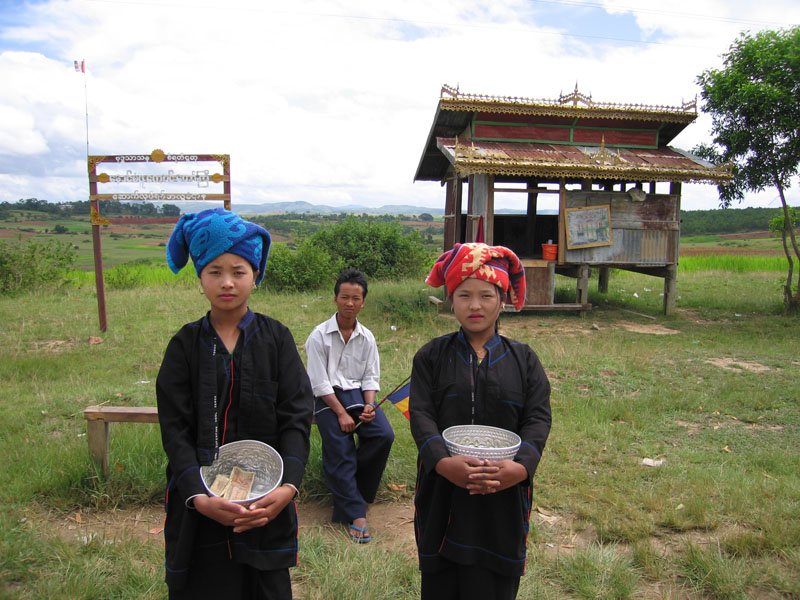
x: 360, y: 535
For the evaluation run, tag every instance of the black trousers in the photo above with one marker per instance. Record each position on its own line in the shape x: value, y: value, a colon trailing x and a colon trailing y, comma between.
x: 229, y: 580
x: 460, y: 582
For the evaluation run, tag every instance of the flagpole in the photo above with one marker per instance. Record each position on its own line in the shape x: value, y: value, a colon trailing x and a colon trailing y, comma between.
x: 94, y: 210
x: 86, y: 105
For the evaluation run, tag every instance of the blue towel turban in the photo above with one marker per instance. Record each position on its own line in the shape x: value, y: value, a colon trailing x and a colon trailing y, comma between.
x: 205, y: 235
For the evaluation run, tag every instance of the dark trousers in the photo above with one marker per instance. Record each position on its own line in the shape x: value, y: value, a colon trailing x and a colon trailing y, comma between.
x: 229, y: 580
x: 353, y: 471
x: 468, y: 582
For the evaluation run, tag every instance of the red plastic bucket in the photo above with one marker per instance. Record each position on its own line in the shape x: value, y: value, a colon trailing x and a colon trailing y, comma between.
x: 550, y: 251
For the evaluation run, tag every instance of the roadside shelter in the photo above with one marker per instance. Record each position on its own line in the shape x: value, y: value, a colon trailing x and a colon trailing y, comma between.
x: 616, y: 182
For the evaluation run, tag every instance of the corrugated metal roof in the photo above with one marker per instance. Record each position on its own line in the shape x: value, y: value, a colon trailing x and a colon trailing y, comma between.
x: 581, y: 162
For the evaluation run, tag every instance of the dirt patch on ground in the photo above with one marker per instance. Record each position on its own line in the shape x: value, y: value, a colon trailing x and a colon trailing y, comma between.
x: 648, y: 329
x: 390, y: 523
x: 736, y: 365
x: 86, y: 525
x: 55, y: 346
x: 717, y: 421
x: 747, y: 235
x: 8, y: 234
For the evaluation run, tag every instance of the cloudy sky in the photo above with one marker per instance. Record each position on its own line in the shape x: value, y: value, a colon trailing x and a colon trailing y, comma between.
x: 329, y: 101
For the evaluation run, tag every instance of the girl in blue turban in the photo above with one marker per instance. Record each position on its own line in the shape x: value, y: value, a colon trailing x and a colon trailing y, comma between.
x: 205, y: 235
x: 231, y: 375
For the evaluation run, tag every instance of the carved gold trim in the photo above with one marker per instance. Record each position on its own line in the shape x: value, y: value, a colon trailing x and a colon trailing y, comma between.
x: 574, y: 104
x: 600, y: 163
x: 559, y: 170
x: 217, y: 178
x: 95, y: 218
x: 93, y: 161
x: 604, y: 156
x: 103, y: 178
x: 575, y: 97
x: 224, y: 160
x: 469, y: 159
x: 157, y: 155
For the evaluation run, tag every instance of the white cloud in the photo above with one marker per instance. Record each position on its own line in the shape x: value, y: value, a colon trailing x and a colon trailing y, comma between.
x: 328, y: 101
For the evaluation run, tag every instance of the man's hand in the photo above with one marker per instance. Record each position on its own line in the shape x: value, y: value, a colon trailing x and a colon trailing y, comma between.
x: 368, y: 414
x: 346, y: 422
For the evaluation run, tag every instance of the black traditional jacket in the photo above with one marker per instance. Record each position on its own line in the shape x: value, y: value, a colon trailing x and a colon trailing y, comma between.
x: 508, y: 389
x: 270, y: 400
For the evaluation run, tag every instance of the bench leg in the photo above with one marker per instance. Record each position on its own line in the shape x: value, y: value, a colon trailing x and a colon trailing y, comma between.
x: 97, y: 434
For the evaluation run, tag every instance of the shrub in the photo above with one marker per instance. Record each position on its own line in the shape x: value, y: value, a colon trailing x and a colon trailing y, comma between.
x: 380, y: 250
x: 308, y: 267
x: 123, y: 277
x: 406, y: 306
x: 33, y: 265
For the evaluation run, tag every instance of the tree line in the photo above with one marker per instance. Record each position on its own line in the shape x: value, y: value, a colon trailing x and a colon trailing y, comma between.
x: 81, y: 208
x: 300, y: 225
x: 728, y: 220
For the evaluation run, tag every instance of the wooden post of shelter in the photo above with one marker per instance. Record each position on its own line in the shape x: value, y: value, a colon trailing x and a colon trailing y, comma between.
x: 480, y: 204
x: 562, y: 223
x: 530, y: 210
x: 671, y: 277
x: 452, y: 211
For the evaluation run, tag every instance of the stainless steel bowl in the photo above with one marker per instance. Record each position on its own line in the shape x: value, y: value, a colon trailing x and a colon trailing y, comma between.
x: 250, y: 455
x: 481, y: 441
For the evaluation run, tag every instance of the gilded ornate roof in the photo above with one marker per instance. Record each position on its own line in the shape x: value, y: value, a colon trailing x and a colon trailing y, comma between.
x: 553, y: 161
x: 458, y: 115
x: 574, y: 104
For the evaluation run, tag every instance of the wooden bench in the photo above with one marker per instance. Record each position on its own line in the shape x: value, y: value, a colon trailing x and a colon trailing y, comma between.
x: 98, y: 419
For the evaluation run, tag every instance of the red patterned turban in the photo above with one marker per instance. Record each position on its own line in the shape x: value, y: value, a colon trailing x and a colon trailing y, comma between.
x: 496, y: 264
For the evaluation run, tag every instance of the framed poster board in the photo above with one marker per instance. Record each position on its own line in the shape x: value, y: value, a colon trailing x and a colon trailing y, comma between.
x: 588, y: 227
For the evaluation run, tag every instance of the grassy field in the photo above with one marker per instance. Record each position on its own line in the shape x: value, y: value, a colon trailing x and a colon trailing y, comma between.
x: 708, y: 394
x: 120, y: 243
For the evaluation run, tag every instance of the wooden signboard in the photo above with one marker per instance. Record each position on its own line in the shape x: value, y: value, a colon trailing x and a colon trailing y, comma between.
x: 588, y: 227
x: 199, y: 178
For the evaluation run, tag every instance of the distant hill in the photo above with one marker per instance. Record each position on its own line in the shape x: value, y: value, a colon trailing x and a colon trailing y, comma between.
x: 301, y: 207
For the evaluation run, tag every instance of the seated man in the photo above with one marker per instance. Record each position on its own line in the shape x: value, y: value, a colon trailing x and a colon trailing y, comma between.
x: 344, y: 369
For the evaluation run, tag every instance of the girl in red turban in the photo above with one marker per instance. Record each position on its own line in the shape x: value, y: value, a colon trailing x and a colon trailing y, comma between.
x: 472, y: 515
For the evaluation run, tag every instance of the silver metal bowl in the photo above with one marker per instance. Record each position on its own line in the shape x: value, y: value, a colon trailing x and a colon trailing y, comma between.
x: 250, y: 455
x: 481, y: 441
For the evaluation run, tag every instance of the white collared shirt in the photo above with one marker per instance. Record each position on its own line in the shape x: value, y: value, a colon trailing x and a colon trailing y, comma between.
x: 349, y: 366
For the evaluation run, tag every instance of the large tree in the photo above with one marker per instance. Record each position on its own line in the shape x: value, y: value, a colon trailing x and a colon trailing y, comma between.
x: 754, y: 102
